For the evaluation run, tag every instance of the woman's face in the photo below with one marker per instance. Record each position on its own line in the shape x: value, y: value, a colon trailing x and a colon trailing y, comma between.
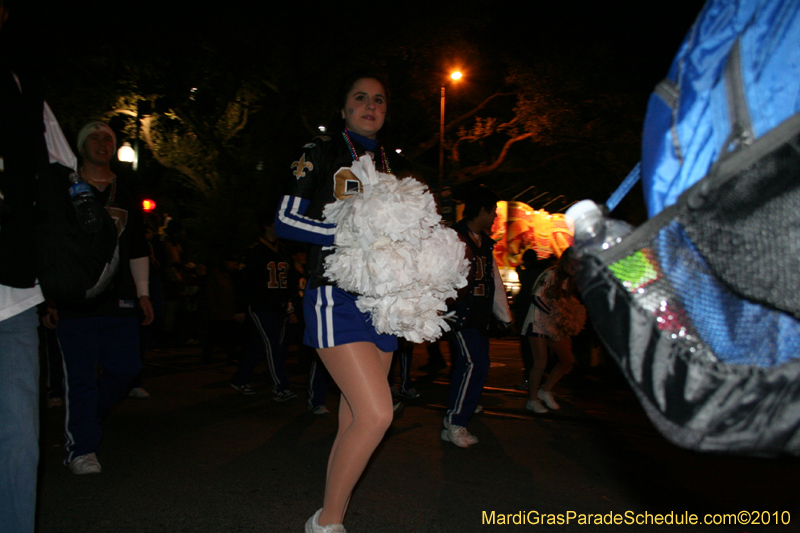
x: 365, y: 108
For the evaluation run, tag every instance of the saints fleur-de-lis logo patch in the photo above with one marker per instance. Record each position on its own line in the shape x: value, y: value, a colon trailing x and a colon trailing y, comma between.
x: 300, y: 166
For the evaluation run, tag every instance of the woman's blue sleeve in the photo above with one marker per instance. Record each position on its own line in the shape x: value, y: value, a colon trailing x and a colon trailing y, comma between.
x: 290, y: 223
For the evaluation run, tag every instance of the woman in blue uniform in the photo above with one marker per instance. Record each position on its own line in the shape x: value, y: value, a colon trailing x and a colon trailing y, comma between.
x: 356, y: 356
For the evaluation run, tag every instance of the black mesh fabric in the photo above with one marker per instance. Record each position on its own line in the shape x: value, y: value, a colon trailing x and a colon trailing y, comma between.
x: 748, y: 230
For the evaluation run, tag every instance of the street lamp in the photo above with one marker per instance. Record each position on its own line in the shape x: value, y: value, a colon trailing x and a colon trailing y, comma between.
x: 126, y: 153
x: 455, y: 76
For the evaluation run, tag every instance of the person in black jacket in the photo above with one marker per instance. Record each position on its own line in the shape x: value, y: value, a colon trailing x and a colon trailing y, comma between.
x: 29, y: 139
x: 482, y: 298
x: 103, y: 328
x: 266, y: 294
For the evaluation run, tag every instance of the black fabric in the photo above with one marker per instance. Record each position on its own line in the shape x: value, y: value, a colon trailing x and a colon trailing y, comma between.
x: 69, y: 260
x: 119, y: 297
x: 748, y: 229
x: 24, y: 152
x: 474, y: 304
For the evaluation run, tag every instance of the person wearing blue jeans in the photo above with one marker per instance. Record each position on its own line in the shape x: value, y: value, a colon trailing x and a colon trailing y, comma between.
x: 19, y: 413
x: 30, y: 139
x: 482, y: 298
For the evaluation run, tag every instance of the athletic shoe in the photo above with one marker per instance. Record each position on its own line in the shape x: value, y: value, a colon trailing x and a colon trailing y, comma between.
x: 85, y: 464
x: 536, y: 406
x: 55, y: 402
x: 411, y: 394
x: 547, y: 398
x: 138, y: 392
x: 320, y: 410
x: 283, y: 396
x: 458, y: 434
x: 312, y: 526
x: 525, y: 385
x: 244, y: 389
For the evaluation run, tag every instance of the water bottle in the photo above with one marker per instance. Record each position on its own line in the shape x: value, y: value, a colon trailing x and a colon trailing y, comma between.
x: 87, y: 208
x: 639, y: 271
x: 593, y: 230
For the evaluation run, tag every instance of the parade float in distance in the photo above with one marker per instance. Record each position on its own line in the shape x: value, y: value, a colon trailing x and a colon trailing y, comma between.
x: 517, y: 228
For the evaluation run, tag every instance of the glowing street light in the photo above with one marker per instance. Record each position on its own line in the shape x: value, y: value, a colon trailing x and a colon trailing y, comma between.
x: 126, y: 153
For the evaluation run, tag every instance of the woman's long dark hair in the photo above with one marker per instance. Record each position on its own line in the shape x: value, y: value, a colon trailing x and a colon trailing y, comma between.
x: 337, y: 123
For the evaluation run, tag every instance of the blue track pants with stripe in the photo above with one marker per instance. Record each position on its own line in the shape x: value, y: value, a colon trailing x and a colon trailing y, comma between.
x: 471, y: 348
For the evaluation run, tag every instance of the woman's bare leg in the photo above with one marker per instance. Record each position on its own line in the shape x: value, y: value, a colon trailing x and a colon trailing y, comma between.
x: 365, y: 413
x: 539, y: 352
x: 563, y: 350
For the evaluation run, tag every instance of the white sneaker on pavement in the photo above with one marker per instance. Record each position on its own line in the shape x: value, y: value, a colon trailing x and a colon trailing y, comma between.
x: 139, y: 392
x: 547, y: 398
x: 312, y: 526
x: 458, y: 435
x: 536, y: 406
x: 85, y: 464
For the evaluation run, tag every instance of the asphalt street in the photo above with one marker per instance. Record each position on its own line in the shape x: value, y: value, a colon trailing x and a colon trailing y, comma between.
x: 200, y: 457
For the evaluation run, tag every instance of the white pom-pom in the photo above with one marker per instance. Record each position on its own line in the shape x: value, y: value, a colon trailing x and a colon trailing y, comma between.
x: 393, y: 252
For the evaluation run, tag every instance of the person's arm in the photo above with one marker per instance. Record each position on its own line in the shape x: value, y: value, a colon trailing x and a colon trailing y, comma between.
x: 291, y: 221
x: 500, y: 305
x: 140, y: 269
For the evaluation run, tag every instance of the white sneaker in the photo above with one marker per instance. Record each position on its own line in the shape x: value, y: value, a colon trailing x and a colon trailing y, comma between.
x: 458, y: 435
x: 535, y: 406
x: 85, y: 464
x: 312, y: 526
x: 138, y: 392
x: 547, y: 398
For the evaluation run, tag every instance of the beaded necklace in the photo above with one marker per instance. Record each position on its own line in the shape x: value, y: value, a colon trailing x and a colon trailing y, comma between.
x: 384, y: 160
x: 113, y: 194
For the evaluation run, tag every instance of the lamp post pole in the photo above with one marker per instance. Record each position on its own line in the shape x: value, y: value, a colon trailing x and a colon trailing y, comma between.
x: 441, y: 145
x: 444, y: 201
